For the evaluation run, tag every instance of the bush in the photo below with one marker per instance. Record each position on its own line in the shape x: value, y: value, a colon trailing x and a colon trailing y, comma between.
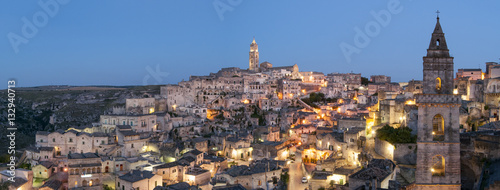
x: 399, y: 135
x: 285, y: 177
x: 365, y: 81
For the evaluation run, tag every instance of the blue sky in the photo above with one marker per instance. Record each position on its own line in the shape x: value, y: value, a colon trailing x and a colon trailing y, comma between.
x: 122, y: 42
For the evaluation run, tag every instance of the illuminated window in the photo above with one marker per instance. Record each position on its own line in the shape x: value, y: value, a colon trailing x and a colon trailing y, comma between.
x: 438, y: 128
x: 438, y: 166
x: 438, y: 83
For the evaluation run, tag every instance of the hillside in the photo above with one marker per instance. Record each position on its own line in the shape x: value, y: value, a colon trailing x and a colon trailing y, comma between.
x: 65, y: 106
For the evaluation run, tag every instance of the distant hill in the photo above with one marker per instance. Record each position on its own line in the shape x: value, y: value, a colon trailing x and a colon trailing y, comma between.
x: 66, y: 105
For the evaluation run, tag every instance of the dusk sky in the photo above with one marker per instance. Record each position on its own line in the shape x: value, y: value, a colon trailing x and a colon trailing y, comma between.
x: 123, y: 42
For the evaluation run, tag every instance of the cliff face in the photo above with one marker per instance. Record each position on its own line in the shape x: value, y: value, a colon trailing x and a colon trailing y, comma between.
x: 59, y: 107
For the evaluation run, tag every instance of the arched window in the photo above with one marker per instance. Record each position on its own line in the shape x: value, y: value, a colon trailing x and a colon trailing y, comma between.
x: 438, y: 166
x: 438, y: 83
x: 437, y: 42
x: 438, y: 128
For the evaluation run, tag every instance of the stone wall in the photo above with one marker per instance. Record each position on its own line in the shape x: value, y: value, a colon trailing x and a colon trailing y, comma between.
x: 400, y: 153
x: 383, y: 148
x: 405, y: 153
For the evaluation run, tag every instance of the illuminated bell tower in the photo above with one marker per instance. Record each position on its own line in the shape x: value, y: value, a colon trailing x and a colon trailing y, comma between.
x: 438, y: 141
x: 254, y: 56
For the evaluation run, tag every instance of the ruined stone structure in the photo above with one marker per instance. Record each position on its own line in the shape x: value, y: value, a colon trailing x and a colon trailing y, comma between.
x: 438, y: 153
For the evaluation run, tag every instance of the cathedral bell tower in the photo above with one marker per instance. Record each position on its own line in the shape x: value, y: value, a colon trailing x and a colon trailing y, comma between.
x: 254, y: 56
x: 438, y: 141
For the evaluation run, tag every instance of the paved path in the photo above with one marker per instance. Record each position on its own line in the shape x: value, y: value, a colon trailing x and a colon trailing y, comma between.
x: 296, y: 176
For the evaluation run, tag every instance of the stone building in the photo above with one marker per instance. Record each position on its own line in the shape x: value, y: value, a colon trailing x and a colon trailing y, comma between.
x: 438, y: 142
x: 139, y: 123
x: 71, y: 141
x: 171, y: 173
x: 414, y: 86
x: 376, y: 175
x: 258, y: 175
x: 197, y: 176
x: 288, y: 89
x: 140, y: 105
x: 380, y: 79
x: 489, y: 70
x: 253, y: 64
x: 84, y: 171
x: 313, y: 77
x: 350, y: 81
x: 472, y: 74
x: 237, y: 148
x: 131, y: 144
x: 136, y: 179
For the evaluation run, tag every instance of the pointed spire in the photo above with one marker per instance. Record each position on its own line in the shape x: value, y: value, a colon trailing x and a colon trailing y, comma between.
x: 438, y: 28
x: 437, y: 45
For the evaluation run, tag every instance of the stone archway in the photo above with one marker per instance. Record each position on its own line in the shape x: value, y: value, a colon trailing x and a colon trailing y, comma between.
x: 467, y: 177
x: 471, y: 169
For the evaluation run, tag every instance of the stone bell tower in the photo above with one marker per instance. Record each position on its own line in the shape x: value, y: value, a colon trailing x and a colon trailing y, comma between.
x: 438, y: 142
x: 254, y: 56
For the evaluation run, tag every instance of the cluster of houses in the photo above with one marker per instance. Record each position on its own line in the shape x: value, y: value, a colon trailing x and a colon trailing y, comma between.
x: 243, y: 128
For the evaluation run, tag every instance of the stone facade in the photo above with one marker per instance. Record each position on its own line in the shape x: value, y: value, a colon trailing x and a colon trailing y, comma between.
x: 138, y: 180
x: 84, y: 170
x: 253, y: 56
x: 438, y: 143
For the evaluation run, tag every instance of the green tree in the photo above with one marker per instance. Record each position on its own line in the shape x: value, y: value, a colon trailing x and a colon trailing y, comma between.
x: 399, y: 135
x: 285, y: 177
x: 4, y: 185
x: 365, y: 81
